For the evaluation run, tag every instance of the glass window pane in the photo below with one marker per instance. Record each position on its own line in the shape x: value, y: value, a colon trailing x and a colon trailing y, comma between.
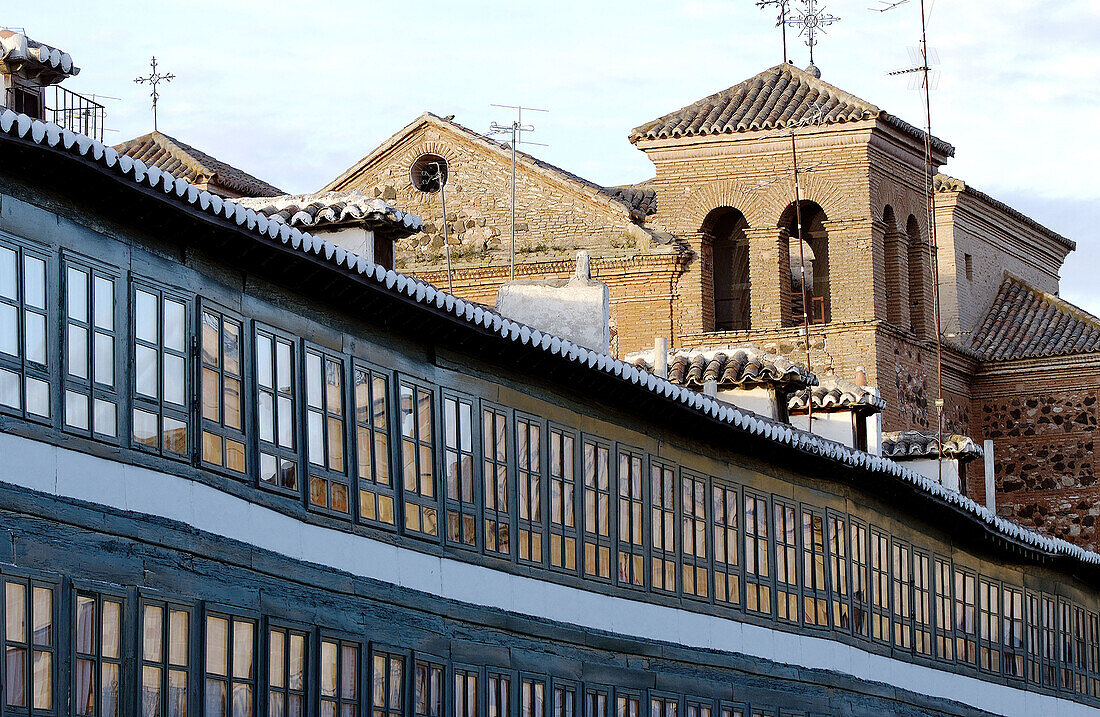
x: 77, y: 300
x: 76, y: 410
x: 145, y: 359
x: 276, y: 659
x: 283, y: 368
x: 242, y: 700
x: 109, y: 689
x: 173, y: 379
x: 42, y: 682
x: 34, y: 278
x: 15, y: 609
x: 328, y: 669
x: 7, y: 273
x: 104, y: 302
x: 78, y: 351
x: 297, y: 662
x: 174, y: 328
x: 232, y: 347
x: 151, y: 633
x: 232, y: 403
x: 9, y: 389
x: 38, y: 397
x: 211, y: 404
x: 216, y: 705
x: 349, y: 672
x: 105, y: 418
x: 266, y: 413
x: 210, y: 352
x: 145, y: 316
x: 42, y: 615
x: 9, y: 330
x: 313, y: 380
x: 112, y: 625
x: 34, y: 343
x: 217, y: 653
x: 104, y: 369
x: 15, y: 676
x: 177, y: 637
x: 242, y: 649
x: 263, y: 361
x: 150, y: 692
x: 286, y: 422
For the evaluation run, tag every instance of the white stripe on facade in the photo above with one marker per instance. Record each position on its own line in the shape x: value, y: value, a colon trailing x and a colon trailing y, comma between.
x: 57, y: 471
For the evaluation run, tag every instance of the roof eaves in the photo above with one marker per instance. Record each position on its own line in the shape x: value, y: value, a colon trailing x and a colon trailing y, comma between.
x: 18, y: 127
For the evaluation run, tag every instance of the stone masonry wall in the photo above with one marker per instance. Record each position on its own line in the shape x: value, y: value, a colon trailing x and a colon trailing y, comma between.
x: 554, y: 218
x: 1044, y: 425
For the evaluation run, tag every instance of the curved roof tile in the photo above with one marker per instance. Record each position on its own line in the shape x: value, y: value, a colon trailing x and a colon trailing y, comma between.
x: 907, y: 445
x: 328, y: 209
x: 833, y: 393
x: 733, y: 367
x: 17, y: 47
x: 782, y: 96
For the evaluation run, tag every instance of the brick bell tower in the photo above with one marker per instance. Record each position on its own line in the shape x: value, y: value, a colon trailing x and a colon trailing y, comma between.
x: 725, y: 184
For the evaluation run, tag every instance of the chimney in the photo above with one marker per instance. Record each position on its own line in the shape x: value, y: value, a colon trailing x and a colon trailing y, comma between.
x: 577, y: 308
x: 660, y: 357
x: 990, y: 477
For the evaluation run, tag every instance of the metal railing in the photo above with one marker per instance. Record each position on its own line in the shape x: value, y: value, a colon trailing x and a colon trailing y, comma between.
x: 65, y: 108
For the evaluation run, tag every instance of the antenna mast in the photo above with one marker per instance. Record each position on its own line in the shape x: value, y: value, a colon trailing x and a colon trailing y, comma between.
x: 516, y: 129
x: 930, y: 205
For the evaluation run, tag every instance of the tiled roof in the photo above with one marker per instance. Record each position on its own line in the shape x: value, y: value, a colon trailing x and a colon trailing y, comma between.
x: 947, y: 184
x: 782, y: 96
x: 627, y: 202
x: 907, y: 445
x: 330, y: 209
x: 21, y: 129
x: 639, y: 197
x: 1025, y: 322
x: 184, y: 161
x: 833, y: 393
x: 17, y: 47
x: 730, y: 367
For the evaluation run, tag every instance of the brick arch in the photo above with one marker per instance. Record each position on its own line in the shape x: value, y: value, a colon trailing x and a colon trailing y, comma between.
x: 727, y: 193
x: 830, y: 196
x: 903, y: 202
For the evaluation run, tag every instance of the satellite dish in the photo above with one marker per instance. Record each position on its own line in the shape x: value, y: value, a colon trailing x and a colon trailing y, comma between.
x: 429, y: 173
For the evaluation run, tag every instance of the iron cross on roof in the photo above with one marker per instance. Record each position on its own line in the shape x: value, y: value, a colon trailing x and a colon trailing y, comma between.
x: 810, y: 20
x: 154, y: 79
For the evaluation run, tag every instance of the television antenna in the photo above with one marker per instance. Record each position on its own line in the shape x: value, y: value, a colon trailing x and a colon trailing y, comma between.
x: 781, y: 20
x: 923, y: 59
x: 516, y: 129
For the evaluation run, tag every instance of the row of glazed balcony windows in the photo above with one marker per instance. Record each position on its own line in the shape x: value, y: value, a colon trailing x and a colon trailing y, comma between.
x: 140, y: 653
x: 390, y: 452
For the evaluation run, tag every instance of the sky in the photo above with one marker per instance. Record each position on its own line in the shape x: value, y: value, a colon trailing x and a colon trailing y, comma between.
x: 297, y: 92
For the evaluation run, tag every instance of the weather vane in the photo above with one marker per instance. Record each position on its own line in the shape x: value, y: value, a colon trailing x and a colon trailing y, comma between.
x: 154, y: 79
x: 810, y: 20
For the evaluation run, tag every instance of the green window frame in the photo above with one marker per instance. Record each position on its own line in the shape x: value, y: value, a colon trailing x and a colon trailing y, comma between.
x: 161, y: 384
x: 428, y: 687
x: 466, y: 680
x: 164, y: 659
x: 922, y: 615
x: 628, y: 703
x: 663, y: 705
x: 989, y: 625
x: 630, y: 549
x: 338, y: 691
x: 943, y: 630
x: 288, y: 673
x: 1080, y: 652
x: 26, y: 339
x: 460, y: 486
x: 880, y: 586
x: 815, y: 592
x: 222, y: 405
x: 966, y: 614
x: 91, y: 349
x: 229, y: 659
x: 329, y: 489
x: 387, y: 684
x: 532, y: 696
x: 597, y: 701
x: 563, y: 699
x: 1094, y: 655
x: 278, y: 427
x: 1012, y: 632
x: 697, y: 708
x: 726, y: 512
x: 418, y: 474
x: 861, y: 598
x: 758, y: 573
x: 563, y: 496
x: 530, y: 469
x: 840, y: 593
x: 664, y: 564
x: 372, y: 439
x: 694, y: 528
x: 596, y: 524
x: 787, y: 595
x: 496, y: 494
x: 901, y: 594
x: 498, y: 689
x: 97, y: 677
x: 30, y: 640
